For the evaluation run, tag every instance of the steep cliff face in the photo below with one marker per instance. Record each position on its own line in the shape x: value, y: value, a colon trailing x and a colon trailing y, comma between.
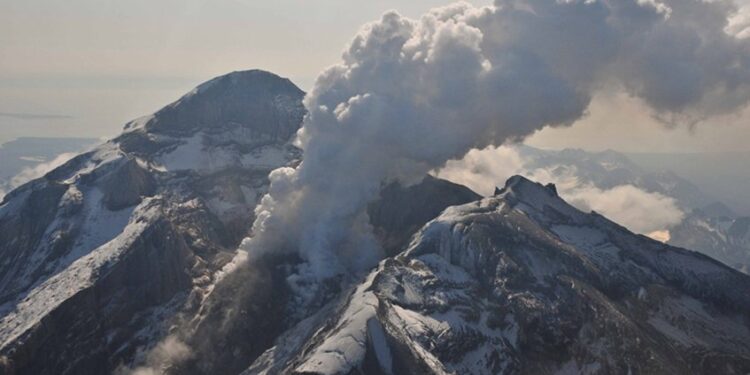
x: 524, y: 283
x: 98, y: 255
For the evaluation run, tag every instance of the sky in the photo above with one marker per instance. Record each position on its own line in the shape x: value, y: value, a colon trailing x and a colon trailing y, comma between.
x: 85, y: 67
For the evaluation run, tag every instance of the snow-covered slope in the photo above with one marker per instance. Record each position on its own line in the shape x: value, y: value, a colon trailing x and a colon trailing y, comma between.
x: 97, y: 254
x: 722, y: 237
x: 524, y: 283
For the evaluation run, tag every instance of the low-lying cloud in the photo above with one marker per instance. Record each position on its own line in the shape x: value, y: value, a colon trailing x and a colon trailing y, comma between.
x: 639, y: 210
x: 30, y: 173
x: 34, y: 116
x: 636, y: 209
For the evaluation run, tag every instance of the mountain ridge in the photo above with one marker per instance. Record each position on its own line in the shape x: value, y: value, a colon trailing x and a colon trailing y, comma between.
x: 133, y: 245
x: 515, y: 283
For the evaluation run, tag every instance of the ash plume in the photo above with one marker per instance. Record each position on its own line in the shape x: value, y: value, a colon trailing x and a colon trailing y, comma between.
x: 411, y: 94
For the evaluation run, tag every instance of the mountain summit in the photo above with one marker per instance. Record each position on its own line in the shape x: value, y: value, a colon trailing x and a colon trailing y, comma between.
x: 100, y: 250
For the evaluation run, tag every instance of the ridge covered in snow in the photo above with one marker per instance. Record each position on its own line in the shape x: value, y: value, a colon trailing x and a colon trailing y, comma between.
x: 524, y: 283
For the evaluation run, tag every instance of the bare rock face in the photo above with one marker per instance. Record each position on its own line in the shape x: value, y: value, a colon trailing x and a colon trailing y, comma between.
x: 401, y: 211
x: 98, y: 256
x: 127, y: 185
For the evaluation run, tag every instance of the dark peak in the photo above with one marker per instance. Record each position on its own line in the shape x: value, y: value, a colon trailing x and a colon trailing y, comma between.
x: 522, y: 186
x: 244, y: 79
x: 249, y: 102
x: 552, y: 188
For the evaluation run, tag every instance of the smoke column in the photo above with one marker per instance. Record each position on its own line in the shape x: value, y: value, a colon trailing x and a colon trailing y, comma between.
x: 411, y: 94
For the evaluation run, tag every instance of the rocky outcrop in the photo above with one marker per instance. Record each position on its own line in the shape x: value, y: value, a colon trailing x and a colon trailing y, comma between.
x: 127, y: 185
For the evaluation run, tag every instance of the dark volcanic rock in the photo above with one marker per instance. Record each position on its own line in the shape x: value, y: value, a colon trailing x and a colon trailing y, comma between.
x: 401, y: 211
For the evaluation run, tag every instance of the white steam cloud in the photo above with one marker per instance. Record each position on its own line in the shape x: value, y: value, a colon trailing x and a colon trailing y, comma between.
x: 168, y: 351
x: 30, y: 173
x: 411, y: 94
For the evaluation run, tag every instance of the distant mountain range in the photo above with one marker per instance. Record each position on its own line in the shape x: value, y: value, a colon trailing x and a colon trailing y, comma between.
x: 608, y: 169
x: 124, y: 260
x: 723, y: 175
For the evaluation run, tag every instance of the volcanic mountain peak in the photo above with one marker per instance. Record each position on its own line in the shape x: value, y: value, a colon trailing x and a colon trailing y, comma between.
x: 251, y: 98
x: 138, y: 227
x: 522, y: 282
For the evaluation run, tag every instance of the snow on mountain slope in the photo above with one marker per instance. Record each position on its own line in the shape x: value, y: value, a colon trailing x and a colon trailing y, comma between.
x: 724, y: 238
x: 524, y: 283
x: 120, y: 238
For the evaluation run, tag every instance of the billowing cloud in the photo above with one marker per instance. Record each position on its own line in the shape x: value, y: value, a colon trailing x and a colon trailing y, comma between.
x: 483, y: 170
x: 411, y: 94
x: 739, y: 22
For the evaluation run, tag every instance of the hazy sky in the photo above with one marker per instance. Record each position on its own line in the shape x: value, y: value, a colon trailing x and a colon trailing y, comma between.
x: 85, y: 67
